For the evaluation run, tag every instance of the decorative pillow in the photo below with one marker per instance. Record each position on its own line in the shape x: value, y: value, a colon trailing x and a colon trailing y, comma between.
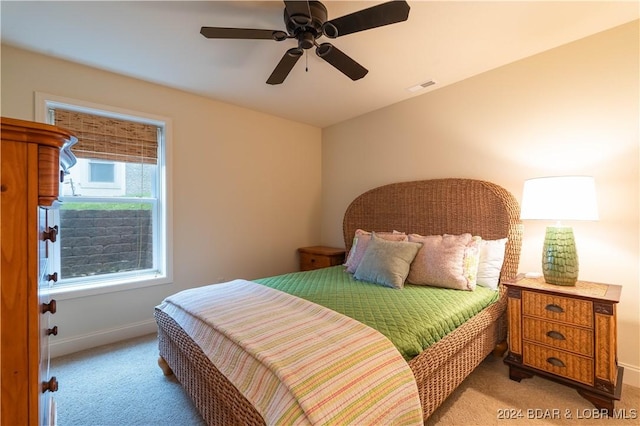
x: 491, y: 260
x: 386, y: 262
x: 441, y: 262
x: 360, y: 243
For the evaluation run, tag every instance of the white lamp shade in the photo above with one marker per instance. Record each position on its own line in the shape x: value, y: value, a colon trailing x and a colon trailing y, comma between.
x: 559, y: 198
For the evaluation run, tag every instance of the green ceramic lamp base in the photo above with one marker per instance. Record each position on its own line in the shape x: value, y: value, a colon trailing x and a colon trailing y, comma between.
x: 559, y: 256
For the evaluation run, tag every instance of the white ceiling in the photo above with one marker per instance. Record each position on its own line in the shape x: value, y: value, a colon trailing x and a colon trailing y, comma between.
x: 444, y: 41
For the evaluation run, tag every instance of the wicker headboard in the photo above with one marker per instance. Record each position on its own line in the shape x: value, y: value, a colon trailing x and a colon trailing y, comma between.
x: 441, y: 206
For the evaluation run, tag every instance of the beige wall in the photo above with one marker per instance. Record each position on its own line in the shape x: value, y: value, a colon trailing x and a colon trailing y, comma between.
x: 570, y: 110
x: 246, y: 189
x: 249, y: 188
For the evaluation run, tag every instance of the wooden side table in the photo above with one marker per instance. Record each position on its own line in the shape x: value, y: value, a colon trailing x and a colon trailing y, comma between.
x: 566, y: 334
x: 317, y: 257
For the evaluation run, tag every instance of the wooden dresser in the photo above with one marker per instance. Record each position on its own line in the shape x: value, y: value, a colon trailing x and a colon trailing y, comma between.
x: 317, y: 257
x: 567, y: 334
x: 32, y: 157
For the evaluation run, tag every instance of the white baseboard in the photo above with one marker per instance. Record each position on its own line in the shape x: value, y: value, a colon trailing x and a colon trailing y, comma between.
x: 631, y: 375
x: 59, y: 347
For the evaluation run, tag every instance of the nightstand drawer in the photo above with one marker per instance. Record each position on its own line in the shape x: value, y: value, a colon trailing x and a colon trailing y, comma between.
x: 317, y: 257
x: 560, y: 336
x: 314, y: 261
x: 558, y: 308
x: 560, y: 363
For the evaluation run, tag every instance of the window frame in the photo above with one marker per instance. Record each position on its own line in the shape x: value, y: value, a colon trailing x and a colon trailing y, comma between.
x: 163, y: 241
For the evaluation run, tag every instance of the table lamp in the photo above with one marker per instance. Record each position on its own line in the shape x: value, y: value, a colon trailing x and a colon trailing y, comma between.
x: 559, y: 198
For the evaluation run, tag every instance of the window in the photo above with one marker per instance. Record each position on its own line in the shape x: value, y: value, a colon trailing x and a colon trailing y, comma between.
x: 113, y: 216
x: 102, y: 172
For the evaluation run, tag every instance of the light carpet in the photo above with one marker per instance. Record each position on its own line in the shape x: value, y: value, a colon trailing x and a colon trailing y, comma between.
x: 121, y: 384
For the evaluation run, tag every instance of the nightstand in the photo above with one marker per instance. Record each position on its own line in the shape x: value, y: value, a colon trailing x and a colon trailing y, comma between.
x: 566, y: 334
x: 317, y: 257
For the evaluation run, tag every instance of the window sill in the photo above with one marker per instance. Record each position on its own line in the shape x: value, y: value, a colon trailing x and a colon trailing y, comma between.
x: 95, y: 288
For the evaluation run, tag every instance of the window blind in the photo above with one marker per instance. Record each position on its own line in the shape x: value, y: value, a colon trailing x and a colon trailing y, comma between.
x: 107, y: 138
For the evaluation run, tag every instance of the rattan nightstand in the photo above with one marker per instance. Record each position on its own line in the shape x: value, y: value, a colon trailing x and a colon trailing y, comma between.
x: 567, y: 334
x: 317, y: 257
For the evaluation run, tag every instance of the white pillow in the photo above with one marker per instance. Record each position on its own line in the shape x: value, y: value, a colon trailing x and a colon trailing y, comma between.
x: 490, y: 264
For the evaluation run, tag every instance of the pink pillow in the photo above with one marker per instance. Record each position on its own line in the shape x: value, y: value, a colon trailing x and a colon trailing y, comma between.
x: 360, y: 243
x: 442, y: 262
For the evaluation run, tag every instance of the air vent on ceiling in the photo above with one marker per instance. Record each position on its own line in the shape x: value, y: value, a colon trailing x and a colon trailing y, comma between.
x: 421, y: 86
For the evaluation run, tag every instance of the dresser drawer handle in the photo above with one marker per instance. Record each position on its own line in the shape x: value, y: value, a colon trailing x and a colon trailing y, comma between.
x: 49, y: 307
x: 554, y: 308
x: 555, y: 335
x: 51, y: 385
x: 50, y: 234
x: 555, y: 362
x: 52, y: 331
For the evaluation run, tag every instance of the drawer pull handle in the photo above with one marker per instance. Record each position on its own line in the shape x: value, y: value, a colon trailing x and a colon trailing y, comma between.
x: 555, y: 362
x: 556, y: 335
x: 49, y: 307
x: 50, y: 234
x: 554, y: 308
x: 51, y: 385
x: 52, y: 331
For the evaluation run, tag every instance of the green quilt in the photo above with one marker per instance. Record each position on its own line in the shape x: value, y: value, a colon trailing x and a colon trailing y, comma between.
x: 412, y: 318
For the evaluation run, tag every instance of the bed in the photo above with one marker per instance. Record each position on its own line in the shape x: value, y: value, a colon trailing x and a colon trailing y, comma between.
x: 429, y: 207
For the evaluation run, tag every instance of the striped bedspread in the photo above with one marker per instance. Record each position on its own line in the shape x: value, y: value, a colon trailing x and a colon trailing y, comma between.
x: 295, y: 361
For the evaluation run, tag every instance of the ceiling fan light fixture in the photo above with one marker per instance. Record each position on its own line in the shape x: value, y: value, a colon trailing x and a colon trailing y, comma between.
x: 329, y: 30
x: 323, y: 49
x: 294, y: 52
x: 301, y: 20
x: 306, y: 40
x: 280, y: 35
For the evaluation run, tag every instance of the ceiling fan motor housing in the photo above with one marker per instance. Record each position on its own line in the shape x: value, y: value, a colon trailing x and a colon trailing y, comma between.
x: 306, y: 28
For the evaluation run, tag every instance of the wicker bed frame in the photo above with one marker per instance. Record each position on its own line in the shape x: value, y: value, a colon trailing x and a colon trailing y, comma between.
x: 429, y: 207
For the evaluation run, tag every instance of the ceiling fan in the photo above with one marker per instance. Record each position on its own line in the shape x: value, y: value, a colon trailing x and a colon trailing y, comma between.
x: 306, y: 21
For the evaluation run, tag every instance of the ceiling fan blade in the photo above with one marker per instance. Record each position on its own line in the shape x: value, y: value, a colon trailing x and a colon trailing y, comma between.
x: 243, y: 33
x: 285, y: 66
x: 377, y: 16
x: 299, y: 11
x: 341, y: 61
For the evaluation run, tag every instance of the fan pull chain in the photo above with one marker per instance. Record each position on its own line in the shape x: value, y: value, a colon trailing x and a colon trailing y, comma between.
x: 306, y: 61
